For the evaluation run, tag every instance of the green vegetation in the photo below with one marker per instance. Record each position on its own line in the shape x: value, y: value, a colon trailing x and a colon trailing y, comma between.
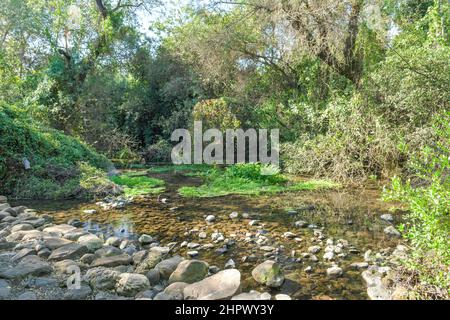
x: 135, y: 184
x: 60, y: 166
x: 246, y: 179
x: 354, y: 90
x: 428, y: 220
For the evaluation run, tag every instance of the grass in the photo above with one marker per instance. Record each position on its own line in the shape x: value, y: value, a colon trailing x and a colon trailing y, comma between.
x: 135, y: 184
x: 246, y: 180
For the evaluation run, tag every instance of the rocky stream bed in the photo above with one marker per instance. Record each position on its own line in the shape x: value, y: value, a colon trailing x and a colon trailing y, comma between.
x: 308, y: 245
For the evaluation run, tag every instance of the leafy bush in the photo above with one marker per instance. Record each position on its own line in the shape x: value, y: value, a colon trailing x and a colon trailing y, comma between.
x: 58, y: 163
x: 158, y: 152
x: 215, y: 114
x: 428, y: 223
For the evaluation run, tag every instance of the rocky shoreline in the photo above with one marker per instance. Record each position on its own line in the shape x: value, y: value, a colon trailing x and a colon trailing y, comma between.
x: 40, y: 260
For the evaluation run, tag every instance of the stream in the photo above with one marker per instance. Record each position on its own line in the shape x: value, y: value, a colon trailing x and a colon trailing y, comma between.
x: 350, y: 214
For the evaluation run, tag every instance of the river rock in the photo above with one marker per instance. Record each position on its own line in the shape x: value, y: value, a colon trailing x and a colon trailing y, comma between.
x: 5, y: 290
x: 23, y: 253
x: 88, y: 258
x: 4, y: 206
x: 44, y: 253
x: 153, y: 258
x: 60, y: 229
x: 78, y: 294
x: 130, y: 284
x: 234, y: 215
x: 300, y: 224
x: 192, y: 253
x: 30, y: 265
x: 328, y: 255
x: 252, y: 295
x: 139, y: 256
x: 22, y: 227
x: 359, y: 265
x: 269, y: 273
x: 75, y: 234
x: 113, y: 241
x: 314, y: 249
x: 91, y: 241
x: 154, y: 277
x: 145, y: 239
x: 3, y: 199
x: 173, y: 292
x: 108, y: 251
x: 376, y: 290
x: 230, y: 264
x: 222, y: 285
x: 168, y: 266
x: 4, y: 214
x: 211, y: 218
x: 65, y: 266
x: 102, y: 278
x: 387, y: 217
x: 282, y: 296
x: 392, y: 232
x: 112, y: 261
x: 267, y: 248
x: 334, y: 272
x: 69, y: 251
x: 146, y: 295
x: 189, y: 271
x: 54, y: 242
x: 28, y: 295
x: 75, y: 223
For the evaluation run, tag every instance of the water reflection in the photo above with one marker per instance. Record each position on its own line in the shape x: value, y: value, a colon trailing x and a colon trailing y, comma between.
x: 122, y: 229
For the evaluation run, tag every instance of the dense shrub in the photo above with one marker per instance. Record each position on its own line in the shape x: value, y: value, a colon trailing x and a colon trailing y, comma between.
x: 58, y: 163
x: 427, y: 194
x: 158, y: 152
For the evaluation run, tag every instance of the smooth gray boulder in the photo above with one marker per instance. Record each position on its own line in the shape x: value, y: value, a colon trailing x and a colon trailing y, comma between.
x: 30, y: 265
x: 112, y: 261
x: 223, y: 285
x: 168, y: 266
x: 69, y: 251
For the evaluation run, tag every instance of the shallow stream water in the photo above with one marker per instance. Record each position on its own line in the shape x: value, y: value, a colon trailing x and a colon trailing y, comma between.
x: 349, y: 214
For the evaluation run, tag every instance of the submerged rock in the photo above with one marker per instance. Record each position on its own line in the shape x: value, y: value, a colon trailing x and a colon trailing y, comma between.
x: 334, y: 272
x: 252, y: 295
x: 269, y: 273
